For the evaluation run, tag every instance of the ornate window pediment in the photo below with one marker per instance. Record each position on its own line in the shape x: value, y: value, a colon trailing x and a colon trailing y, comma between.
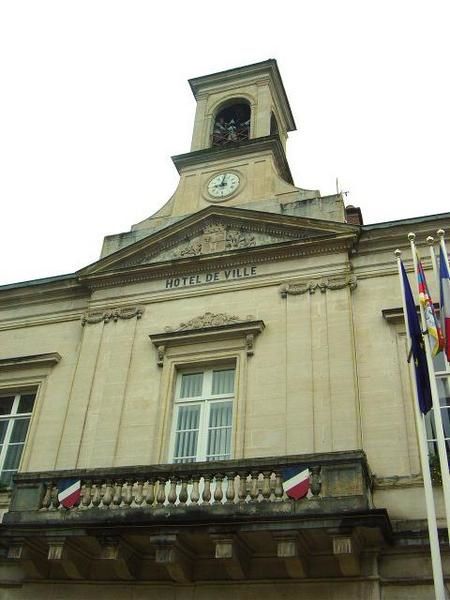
x: 207, y: 328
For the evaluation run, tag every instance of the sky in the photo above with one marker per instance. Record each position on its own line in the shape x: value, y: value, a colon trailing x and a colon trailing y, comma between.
x: 94, y: 101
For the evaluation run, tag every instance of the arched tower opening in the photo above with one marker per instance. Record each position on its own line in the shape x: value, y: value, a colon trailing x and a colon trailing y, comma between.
x: 273, y: 125
x: 232, y: 124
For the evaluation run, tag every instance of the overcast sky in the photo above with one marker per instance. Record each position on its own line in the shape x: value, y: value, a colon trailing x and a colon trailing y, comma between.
x: 94, y: 101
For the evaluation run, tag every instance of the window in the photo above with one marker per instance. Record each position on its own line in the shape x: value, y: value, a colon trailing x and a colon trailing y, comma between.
x: 202, y: 419
x: 15, y: 415
x: 443, y: 385
x: 232, y: 125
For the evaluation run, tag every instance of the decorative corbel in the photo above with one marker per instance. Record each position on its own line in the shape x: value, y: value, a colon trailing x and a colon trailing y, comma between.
x: 161, y: 350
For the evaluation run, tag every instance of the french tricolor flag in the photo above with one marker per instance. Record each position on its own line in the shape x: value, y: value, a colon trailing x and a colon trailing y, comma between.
x: 69, y: 492
x: 296, y: 482
x: 444, y: 277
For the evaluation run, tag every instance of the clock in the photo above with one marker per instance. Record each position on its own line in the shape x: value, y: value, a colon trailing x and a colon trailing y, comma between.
x: 223, y: 185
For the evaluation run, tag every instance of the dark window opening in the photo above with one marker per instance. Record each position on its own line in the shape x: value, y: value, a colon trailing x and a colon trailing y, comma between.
x: 232, y: 125
x: 273, y: 125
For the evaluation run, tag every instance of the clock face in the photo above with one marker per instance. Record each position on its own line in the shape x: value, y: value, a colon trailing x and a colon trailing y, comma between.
x: 223, y: 185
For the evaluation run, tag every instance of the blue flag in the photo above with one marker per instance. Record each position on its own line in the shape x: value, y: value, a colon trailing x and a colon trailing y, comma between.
x: 417, y: 347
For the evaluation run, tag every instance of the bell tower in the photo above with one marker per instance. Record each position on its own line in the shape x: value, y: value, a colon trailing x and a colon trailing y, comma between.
x: 240, y: 104
x: 238, y: 148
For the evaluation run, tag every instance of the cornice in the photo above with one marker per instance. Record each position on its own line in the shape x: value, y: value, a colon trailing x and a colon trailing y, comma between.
x: 207, y: 328
x: 40, y: 320
x: 243, y: 218
x: 37, y: 292
x: 199, y: 264
x: 269, y: 143
x: 35, y: 360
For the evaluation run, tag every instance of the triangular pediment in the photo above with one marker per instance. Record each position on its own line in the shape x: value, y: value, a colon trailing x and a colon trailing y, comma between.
x: 216, y: 231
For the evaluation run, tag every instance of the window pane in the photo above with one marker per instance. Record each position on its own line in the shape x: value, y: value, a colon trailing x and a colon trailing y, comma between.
x: 191, y: 385
x: 443, y: 385
x: 26, y: 403
x: 439, y: 362
x: 219, y: 433
x: 223, y: 382
x: 6, y: 405
x: 3, y: 426
x: 6, y: 478
x: 186, y: 435
x: 13, y: 455
x: 19, y: 431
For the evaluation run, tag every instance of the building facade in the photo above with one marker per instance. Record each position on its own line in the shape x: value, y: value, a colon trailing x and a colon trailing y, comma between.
x: 247, y: 331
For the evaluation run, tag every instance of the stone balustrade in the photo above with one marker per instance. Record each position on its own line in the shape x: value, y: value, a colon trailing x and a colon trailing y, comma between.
x: 341, y: 477
x: 179, y: 488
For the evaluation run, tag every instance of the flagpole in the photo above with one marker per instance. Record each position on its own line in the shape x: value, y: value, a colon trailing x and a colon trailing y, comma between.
x: 442, y: 452
x: 436, y: 563
x: 430, y: 241
x: 441, y: 234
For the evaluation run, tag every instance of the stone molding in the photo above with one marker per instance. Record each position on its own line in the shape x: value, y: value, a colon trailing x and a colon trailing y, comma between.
x: 325, y: 283
x: 220, y: 235
x: 49, y: 359
x: 397, y: 481
x: 209, y: 319
x: 206, y: 328
x: 106, y: 315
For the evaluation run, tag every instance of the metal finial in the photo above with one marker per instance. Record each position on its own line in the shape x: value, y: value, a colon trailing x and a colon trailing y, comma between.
x: 397, y: 253
x: 411, y: 236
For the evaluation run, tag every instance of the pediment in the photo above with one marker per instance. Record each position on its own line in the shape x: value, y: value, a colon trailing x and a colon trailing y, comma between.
x: 216, y: 231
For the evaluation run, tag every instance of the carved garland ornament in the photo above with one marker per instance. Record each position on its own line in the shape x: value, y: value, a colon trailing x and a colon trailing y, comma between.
x: 114, y: 314
x: 324, y: 284
x: 209, y: 319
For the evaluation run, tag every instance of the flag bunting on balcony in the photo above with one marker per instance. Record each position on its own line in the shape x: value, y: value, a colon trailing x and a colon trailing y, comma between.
x: 296, y: 481
x: 69, y: 492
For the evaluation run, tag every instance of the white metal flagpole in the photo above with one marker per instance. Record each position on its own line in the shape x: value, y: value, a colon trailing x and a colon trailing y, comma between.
x: 436, y: 563
x: 442, y: 452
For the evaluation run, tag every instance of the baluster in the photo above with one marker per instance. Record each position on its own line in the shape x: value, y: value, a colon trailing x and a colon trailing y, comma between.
x: 183, y: 495
x: 150, y: 492
x: 54, y: 499
x: 127, y: 496
x: 206, y: 495
x: 266, y: 491
x: 230, y: 494
x: 117, y: 499
x: 278, y: 491
x: 242, y: 493
x: 108, y: 495
x: 86, y: 498
x: 316, y: 483
x: 172, y: 495
x: 139, y: 496
x: 161, y: 496
x: 195, y: 493
x: 47, y: 499
x: 218, y: 493
x: 254, y: 487
x: 97, y: 496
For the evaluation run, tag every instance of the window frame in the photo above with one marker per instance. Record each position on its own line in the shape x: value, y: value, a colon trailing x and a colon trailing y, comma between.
x: 11, y: 418
x: 205, y: 400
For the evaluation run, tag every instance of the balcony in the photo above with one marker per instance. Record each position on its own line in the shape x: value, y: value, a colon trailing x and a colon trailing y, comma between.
x: 197, y: 522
